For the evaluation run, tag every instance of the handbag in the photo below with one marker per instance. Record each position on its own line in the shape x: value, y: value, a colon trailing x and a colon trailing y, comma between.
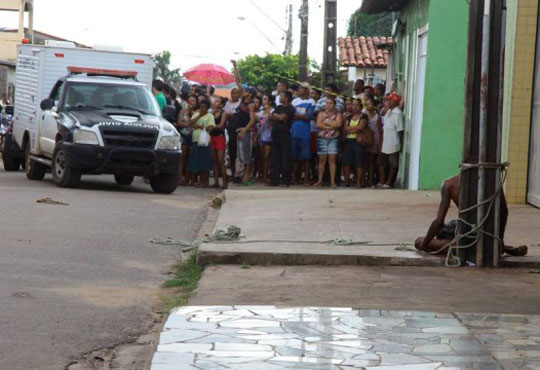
x: 204, y: 138
x: 366, y: 137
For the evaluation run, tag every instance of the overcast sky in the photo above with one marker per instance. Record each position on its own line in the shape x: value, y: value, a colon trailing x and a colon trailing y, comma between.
x: 195, y: 31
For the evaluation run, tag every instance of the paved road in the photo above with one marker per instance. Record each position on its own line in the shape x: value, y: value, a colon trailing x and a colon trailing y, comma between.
x: 82, y: 277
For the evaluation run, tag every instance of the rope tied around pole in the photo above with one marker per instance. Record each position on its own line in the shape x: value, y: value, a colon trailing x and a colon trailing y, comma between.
x: 475, y: 229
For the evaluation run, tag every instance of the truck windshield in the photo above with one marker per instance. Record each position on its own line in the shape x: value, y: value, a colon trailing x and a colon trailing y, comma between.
x: 89, y: 96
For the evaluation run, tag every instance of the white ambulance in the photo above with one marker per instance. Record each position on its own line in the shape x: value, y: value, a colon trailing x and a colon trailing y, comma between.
x: 89, y: 111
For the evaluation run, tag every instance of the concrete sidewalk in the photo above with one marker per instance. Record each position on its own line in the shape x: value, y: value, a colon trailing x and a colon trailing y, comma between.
x: 290, y: 227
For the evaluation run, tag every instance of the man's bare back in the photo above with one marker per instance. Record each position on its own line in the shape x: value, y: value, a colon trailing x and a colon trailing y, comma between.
x: 450, y: 193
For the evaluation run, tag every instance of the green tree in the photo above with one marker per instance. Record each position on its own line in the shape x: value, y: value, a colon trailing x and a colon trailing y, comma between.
x: 162, y: 69
x: 362, y: 24
x: 266, y: 71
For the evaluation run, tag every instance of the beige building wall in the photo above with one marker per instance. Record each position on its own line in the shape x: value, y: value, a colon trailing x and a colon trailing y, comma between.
x: 517, y: 148
x: 10, y: 40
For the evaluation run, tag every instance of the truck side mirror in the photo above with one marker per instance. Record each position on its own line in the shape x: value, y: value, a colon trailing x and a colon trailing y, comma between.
x: 47, y: 104
x: 169, y: 113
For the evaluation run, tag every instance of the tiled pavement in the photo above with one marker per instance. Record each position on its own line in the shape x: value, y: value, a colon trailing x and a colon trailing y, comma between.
x: 270, y: 338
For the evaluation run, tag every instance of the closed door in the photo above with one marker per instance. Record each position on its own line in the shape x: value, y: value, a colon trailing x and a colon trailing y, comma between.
x: 48, y: 131
x: 418, y: 113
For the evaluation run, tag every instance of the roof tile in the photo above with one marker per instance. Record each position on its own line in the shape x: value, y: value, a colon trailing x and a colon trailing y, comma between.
x: 362, y: 51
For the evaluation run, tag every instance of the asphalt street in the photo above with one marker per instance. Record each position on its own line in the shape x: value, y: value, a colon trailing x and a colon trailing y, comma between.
x: 79, y: 277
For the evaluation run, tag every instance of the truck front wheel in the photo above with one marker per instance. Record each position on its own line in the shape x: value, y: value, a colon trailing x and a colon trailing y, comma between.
x: 124, y: 180
x: 11, y: 163
x: 164, y: 183
x: 64, y: 176
x: 34, y: 170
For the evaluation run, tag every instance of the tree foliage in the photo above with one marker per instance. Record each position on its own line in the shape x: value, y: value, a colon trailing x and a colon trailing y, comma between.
x: 362, y: 24
x: 162, y: 69
x: 266, y: 71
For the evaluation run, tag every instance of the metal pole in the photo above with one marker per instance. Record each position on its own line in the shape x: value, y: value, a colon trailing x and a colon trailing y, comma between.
x: 482, y: 142
x: 304, y: 18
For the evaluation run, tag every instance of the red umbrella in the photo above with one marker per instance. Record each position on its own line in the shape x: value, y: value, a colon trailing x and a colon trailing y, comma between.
x: 209, y: 74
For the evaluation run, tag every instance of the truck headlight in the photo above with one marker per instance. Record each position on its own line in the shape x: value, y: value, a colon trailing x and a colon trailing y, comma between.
x: 169, y: 143
x: 85, y: 137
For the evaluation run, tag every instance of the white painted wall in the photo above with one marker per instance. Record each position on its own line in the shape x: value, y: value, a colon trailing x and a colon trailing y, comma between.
x: 371, y: 76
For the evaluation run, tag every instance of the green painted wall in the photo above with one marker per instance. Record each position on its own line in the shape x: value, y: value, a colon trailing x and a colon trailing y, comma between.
x: 442, y: 127
x: 415, y: 15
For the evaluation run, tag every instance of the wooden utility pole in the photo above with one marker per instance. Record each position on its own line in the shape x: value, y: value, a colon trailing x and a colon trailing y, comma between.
x: 304, y: 19
x: 330, y: 40
x: 480, y: 177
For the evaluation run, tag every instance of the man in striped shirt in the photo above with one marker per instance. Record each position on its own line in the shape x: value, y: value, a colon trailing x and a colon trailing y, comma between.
x: 321, y: 104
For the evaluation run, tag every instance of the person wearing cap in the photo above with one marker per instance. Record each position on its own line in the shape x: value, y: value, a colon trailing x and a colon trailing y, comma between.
x: 304, y: 108
x: 391, y: 143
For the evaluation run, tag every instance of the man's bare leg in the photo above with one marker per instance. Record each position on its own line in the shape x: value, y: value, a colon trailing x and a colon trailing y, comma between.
x: 436, y: 246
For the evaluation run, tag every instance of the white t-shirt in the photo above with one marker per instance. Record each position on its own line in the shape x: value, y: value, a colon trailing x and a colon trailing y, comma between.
x: 278, y: 100
x: 393, y: 125
x: 301, y: 105
x: 230, y: 107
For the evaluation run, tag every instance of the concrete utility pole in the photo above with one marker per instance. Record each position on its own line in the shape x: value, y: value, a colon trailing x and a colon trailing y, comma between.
x: 481, y: 173
x: 330, y: 40
x: 304, y: 19
x: 289, y: 34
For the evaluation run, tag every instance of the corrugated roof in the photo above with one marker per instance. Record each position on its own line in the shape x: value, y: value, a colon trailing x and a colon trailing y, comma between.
x: 362, y: 51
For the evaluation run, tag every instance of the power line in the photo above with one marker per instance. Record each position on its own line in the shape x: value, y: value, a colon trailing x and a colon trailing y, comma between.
x: 262, y: 33
x: 267, y: 16
x: 258, y: 29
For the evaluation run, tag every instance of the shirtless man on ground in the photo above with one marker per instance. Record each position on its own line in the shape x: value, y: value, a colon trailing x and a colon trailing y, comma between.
x: 435, y: 241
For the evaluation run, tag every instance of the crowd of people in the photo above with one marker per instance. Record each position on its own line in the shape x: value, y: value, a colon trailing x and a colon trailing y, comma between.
x: 296, y: 135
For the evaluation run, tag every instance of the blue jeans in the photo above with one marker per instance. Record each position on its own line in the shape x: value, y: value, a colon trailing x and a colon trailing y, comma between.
x: 327, y: 146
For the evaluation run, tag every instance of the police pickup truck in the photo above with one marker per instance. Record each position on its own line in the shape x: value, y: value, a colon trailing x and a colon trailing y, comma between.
x: 93, y: 121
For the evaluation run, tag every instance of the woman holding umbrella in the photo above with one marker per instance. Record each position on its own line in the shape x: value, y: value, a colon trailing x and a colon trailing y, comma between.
x: 211, y: 74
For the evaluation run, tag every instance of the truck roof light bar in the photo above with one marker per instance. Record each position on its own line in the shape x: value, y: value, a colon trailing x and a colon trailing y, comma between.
x: 101, y: 72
